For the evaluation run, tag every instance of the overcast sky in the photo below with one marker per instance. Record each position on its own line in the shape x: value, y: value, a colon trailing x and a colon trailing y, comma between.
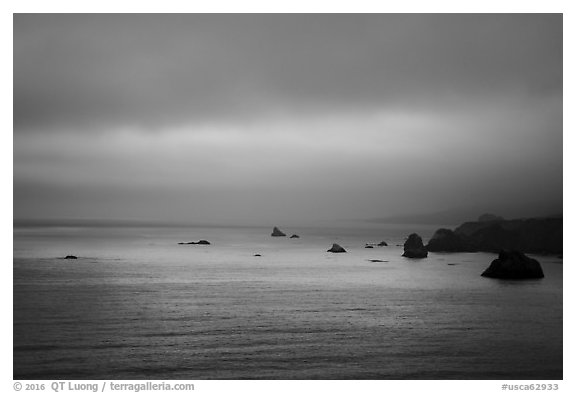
x: 297, y: 119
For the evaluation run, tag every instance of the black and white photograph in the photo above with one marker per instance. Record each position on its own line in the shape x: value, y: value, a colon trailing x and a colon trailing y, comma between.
x: 288, y: 196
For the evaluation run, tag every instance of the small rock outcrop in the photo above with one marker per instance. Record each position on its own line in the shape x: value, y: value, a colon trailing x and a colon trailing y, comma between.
x: 201, y: 242
x: 336, y: 248
x: 257, y: 255
x: 513, y: 265
x: 71, y: 257
x: 277, y: 232
x: 294, y: 237
x: 414, y: 248
x: 382, y: 244
x: 369, y: 246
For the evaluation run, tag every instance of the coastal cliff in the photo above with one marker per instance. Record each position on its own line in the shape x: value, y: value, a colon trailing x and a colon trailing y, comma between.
x: 533, y: 235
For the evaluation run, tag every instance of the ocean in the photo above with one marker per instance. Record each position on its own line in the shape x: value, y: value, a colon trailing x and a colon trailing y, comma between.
x: 136, y: 305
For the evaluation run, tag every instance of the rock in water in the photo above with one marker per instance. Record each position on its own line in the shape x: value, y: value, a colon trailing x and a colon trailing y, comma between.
x: 71, y: 257
x: 513, y: 265
x: 414, y: 248
x: 369, y: 246
x: 445, y: 240
x: 294, y: 237
x: 205, y: 242
x: 382, y: 244
x: 277, y: 232
x: 257, y: 255
x: 336, y: 248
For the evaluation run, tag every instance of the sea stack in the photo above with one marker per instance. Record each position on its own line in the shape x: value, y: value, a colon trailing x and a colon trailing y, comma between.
x: 336, y: 248
x: 277, y: 232
x: 513, y: 265
x: 414, y: 248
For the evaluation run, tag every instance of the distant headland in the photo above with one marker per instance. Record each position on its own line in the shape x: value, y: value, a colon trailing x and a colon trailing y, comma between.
x: 493, y: 234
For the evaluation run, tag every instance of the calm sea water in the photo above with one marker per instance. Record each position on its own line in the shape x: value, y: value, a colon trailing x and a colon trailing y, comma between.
x: 138, y: 306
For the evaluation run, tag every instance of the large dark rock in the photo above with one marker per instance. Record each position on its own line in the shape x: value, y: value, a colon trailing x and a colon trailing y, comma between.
x: 514, y: 265
x: 445, y: 240
x: 71, y: 257
x: 277, y: 232
x: 336, y: 248
x: 415, y: 254
x: 414, y: 248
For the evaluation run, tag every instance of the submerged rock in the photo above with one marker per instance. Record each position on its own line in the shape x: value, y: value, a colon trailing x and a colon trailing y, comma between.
x: 71, y: 257
x: 294, y: 237
x: 513, y: 265
x: 277, y: 232
x: 336, y: 248
x: 382, y: 244
x: 414, y: 248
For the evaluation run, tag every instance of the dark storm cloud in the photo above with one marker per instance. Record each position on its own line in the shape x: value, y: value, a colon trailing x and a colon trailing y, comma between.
x: 94, y: 71
x: 275, y: 118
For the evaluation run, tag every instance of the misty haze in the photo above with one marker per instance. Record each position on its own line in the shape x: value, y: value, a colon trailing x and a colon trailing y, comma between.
x: 154, y: 155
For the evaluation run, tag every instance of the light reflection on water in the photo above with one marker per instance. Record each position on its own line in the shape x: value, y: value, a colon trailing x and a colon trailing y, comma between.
x: 137, y: 305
